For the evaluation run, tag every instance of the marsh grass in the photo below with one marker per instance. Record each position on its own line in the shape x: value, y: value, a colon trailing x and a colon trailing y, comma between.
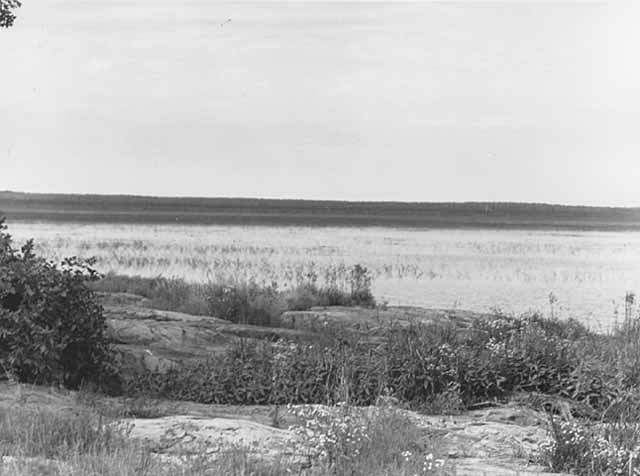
x: 170, y: 294
x: 244, y: 302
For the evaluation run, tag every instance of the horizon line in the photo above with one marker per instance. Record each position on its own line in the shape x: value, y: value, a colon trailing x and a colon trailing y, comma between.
x: 399, y: 202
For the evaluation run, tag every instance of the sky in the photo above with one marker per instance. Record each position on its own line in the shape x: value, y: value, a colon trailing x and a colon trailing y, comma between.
x: 511, y: 101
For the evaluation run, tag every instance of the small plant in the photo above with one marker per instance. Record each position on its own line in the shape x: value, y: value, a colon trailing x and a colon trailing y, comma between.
x: 593, y: 450
x: 246, y: 304
x: 344, y: 439
x: 360, y: 279
x: 332, y: 436
x: 553, y: 300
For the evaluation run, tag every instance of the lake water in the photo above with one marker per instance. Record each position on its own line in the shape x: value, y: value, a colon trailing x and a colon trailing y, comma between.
x: 587, y: 272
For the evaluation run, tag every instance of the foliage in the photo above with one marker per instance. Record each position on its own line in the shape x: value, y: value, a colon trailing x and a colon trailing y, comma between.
x: 606, y: 380
x: 360, y: 280
x: 361, y: 441
x: 593, y: 449
x: 6, y: 14
x: 246, y: 303
x: 434, y: 367
x: 52, y: 329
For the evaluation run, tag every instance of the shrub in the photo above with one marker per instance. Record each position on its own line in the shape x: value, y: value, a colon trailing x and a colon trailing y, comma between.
x: 52, y: 330
x: 246, y: 304
x: 360, y: 280
x: 343, y: 439
x: 434, y: 367
x: 593, y: 450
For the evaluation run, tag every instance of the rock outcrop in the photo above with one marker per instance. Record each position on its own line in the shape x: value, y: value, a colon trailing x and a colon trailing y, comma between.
x: 369, y: 320
x: 500, y: 441
x: 156, y: 340
x: 497, y: 441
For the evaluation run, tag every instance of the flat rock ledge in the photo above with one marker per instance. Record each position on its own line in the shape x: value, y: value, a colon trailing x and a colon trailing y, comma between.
x: 370, y: 320
x: 500, y: 441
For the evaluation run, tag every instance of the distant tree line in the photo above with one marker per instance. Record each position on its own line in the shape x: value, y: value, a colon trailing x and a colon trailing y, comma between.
x: 6, y: 12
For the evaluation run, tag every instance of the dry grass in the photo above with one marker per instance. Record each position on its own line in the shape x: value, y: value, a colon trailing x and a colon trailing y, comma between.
x: 81, y: 441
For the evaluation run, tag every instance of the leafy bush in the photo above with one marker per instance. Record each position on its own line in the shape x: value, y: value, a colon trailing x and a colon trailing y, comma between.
x: 246, y: 304
x: 52, y: 329
x: 433, y: 367
x: 7, y: 16
x: 360, y: 280
x: 593, y: 450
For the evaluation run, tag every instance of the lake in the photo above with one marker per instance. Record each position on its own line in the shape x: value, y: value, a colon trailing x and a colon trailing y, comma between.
x: 588, y: 273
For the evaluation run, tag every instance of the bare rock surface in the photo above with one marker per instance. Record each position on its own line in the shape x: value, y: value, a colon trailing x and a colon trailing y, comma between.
x: 180, y: 435
x: 156, y: 340
x: 482, y: 467
x: 500, y: 441
x: 370, y: 319
x: 10, y: 465
x: 492, y: 441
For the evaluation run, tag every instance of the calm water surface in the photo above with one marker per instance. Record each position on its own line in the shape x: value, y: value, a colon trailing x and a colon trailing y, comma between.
x: 588, y: 272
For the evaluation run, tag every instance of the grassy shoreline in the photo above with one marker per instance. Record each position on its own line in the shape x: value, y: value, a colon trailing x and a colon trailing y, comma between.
x: 52, y: 322
x: 244, y: 302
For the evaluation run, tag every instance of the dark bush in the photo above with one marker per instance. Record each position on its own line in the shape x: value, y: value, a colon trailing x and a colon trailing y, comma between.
x: 246, y: 304
x: 360, y: 280
x: 52, y: 330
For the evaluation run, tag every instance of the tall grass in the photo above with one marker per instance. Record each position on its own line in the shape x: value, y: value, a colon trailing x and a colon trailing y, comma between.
x: 244, y: 302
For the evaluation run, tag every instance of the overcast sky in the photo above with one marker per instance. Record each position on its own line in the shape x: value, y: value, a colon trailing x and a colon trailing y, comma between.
x: 369, y: 101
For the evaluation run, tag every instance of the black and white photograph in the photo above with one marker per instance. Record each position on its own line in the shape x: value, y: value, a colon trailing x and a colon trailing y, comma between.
x: 319, y: 238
